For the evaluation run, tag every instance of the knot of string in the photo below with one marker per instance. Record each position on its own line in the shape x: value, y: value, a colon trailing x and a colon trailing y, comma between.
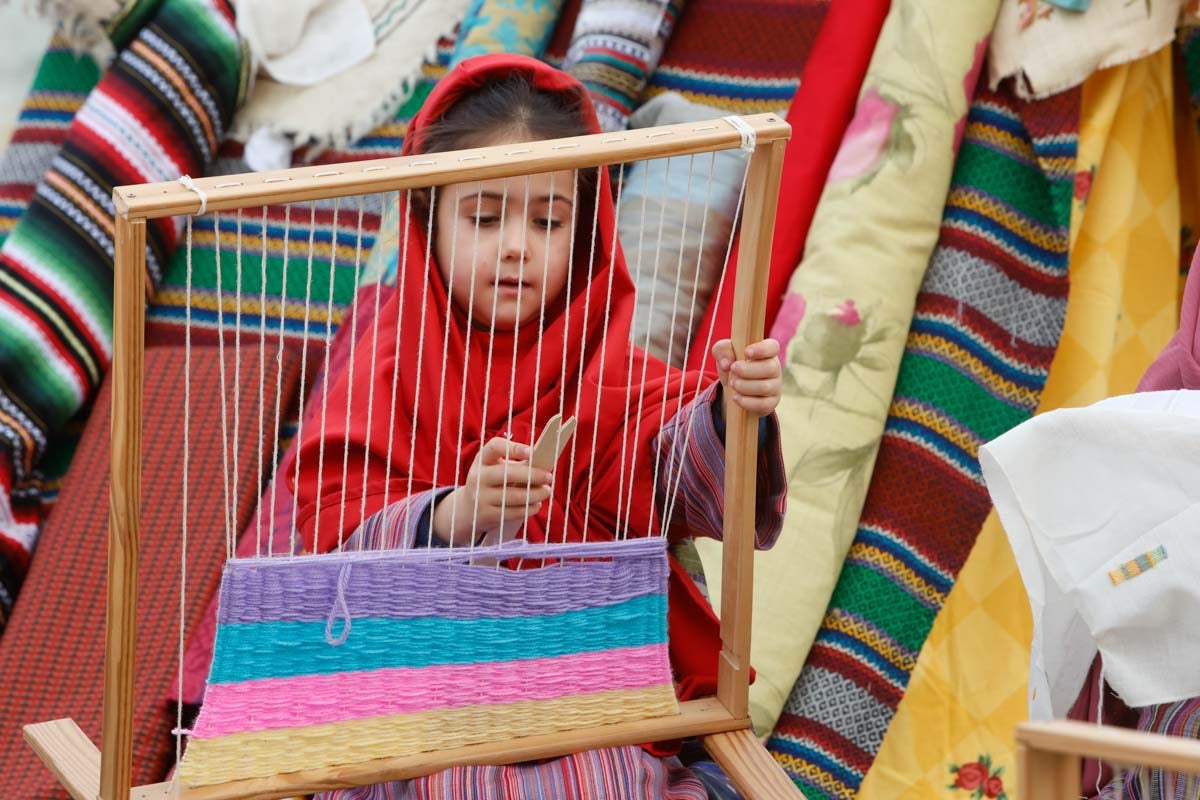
x: 188, y: 183
x: 743, y: 128
x: 340, y: 610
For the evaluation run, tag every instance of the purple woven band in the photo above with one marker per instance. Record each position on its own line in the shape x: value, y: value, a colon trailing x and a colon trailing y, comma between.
x: 404, y: 584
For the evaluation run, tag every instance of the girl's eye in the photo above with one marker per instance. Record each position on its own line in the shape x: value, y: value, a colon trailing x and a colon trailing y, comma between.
x: 484, y: 219
x: 552, y: 224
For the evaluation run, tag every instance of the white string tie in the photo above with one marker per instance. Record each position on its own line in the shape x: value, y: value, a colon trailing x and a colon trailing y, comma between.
x: 743, y: 128
x: 188, y: 183
x: 340, y: 610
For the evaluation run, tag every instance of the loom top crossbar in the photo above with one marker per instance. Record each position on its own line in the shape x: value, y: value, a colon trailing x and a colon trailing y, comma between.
x: 154, y: 200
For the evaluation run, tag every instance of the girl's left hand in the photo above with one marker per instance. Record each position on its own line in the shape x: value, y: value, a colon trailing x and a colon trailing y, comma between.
x: 753, y: 382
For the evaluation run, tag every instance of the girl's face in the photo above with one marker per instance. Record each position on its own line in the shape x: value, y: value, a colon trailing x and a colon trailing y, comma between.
x: 503, y: 246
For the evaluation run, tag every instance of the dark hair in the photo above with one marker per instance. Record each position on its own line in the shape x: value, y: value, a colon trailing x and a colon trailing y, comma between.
x: 510, y: 108
x: 507, y: 107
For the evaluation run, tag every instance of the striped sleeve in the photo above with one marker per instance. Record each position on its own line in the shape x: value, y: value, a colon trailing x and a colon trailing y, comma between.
x: 401, y: 525
x: 692, y: 449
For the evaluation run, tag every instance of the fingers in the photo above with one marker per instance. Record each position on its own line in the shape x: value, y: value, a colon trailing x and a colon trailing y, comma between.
x: 722, y: 352
x: 515, y: 475
x: 510, y: 498
x: 502, y: 485
x: 756, y: 381
x: 750, y: 389
x: 762, y: 406
x: 756, y: 387
x: 509, y: 502
x: 759, y: 374
x: 767, y: 348
x: 520, y: 512
x: 498, y: 449
x: 726, y: 359
x: 757, y: 370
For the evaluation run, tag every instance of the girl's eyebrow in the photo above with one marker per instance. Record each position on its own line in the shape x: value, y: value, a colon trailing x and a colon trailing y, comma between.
x: 545, y: 198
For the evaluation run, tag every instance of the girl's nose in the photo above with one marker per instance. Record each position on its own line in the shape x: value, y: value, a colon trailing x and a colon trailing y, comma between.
x: 511, y: 243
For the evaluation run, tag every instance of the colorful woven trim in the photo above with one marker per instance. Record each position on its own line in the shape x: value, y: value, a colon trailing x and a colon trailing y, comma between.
x: 59, y: 90
x: 984, y: 331
x: 335, y: 659
x: 615, y: 49
x: 1144, y: 562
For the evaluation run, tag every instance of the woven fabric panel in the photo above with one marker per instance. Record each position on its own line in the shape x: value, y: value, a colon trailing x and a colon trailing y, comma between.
x: 51, y: 655
x: 341, y: 658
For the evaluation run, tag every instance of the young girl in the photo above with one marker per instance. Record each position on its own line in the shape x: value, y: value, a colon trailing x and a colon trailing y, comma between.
x: 508, y: 292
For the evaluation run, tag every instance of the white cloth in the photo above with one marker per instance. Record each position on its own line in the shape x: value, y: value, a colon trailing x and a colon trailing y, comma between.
x: 1049, y: 49
x: 267, y: 150
x: 82, y: 25
x: 1082, y: 492
x: 19, y: 60
x: 355, y: 101
x: 303, y: 42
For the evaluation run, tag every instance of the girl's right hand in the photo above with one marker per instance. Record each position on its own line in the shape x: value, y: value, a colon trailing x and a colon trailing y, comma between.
x: 501, y: 485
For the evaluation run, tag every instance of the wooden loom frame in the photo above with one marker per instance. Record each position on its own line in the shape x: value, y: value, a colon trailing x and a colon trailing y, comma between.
x: 1049, y: 753
x: 722, y: 721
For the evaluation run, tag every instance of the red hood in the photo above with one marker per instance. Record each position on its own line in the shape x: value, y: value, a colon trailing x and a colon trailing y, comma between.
x: 475, y: 72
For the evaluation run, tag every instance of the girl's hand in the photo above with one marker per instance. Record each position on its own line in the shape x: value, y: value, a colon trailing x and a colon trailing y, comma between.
x: 501, y: 485
x: 753, y: 382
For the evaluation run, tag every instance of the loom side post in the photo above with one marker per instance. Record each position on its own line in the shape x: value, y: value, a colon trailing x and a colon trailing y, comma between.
x: 120, y: 643
x: 741, y: 430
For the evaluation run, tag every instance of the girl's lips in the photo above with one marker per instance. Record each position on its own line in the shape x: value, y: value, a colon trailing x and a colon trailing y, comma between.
x: 511, y: 285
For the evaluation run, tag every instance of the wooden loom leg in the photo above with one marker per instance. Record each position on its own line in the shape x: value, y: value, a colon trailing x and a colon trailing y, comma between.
x: 129, y: 313
x: 75, y: 761
x: 751, y: 768
x: 69, y: 754
x: 1045, y: 775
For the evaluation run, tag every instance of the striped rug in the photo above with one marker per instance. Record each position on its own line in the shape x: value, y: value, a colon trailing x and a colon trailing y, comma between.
x: 739, y: 56
x: 160, y: 110
x: 60, y: 87
x: 984, y: 332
